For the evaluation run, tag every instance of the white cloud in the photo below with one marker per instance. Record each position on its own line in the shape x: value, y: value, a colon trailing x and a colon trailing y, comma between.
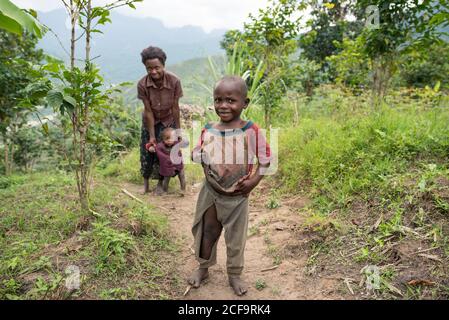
x: 209, y: 14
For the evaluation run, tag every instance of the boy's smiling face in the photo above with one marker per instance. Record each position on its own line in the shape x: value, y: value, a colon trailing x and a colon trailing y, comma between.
x: 229, y: 100
x: 155, y: 69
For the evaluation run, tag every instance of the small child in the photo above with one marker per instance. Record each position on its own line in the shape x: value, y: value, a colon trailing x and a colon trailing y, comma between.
x: 170, y: 162
x: 227, y: 150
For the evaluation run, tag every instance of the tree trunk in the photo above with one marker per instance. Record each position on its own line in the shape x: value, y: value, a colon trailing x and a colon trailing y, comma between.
x: 296, y: 112
x: 84, y: 168
x: 382, y: 74
x: 74, y: 10
x: 7, y: 164
x: 309, y: 88
x: 11, y: 158
x: 72, y: 39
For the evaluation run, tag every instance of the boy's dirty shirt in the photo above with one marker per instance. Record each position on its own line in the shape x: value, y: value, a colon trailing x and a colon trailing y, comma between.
x: 229, y: 156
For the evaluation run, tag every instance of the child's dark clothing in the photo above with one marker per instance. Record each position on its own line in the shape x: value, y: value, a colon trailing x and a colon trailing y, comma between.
x: 167, y: 167
x: 149, y: 163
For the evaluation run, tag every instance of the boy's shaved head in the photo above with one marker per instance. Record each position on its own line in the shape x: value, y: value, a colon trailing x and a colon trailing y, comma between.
x: 238, y: 81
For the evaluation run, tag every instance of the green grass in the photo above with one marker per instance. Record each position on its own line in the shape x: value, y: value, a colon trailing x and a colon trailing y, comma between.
x: 377, y: 179
x: 339, y: 160
x: 42, y: 232
x: 125, y: 168
x: 260, y: 284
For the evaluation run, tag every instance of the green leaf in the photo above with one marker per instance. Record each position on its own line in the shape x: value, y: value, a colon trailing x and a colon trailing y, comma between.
x: 437, y: 86
x: 33, y: 13
x: 67, y: 75
x: 125, y: 84
x: 51, y: 67
x: 9, y: 24
x: 67, y: 106
x: 380, y: 133
x: 45, y: 128
x: 14, y: 19
x: 55, y: 98
x: 70, y: 100
x: 422, y: 185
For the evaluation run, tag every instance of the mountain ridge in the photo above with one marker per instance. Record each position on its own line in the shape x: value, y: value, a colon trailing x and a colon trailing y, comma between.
x: 118, y: 48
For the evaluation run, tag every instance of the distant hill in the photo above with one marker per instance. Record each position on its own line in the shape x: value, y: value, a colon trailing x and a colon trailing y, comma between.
x: 123, y: 40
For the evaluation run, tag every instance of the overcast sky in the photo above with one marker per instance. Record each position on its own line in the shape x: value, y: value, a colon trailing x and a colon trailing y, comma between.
x: 209, y: 14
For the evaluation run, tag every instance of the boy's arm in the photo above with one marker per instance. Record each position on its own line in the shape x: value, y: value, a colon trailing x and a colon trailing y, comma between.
x: 261, y: 149
x: 198, y: 154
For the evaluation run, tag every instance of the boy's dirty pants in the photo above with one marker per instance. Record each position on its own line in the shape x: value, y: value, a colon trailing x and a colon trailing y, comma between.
x: 232, y: 213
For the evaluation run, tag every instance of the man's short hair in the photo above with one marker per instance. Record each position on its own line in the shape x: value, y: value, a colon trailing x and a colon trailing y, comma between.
x: 153, y: 53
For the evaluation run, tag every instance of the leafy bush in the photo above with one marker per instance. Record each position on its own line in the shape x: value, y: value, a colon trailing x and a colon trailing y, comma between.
x: 126, y: 167
x: 7, y: 181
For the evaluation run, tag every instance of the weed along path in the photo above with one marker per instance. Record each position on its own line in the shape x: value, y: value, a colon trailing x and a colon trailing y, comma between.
x: 275, y: 266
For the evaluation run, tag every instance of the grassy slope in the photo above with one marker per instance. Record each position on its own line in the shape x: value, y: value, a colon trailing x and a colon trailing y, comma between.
x: 122, y: 250
x: 379, y: 185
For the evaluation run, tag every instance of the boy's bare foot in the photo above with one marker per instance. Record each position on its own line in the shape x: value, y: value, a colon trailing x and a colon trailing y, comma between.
x: 198, y: 276
x: 238, y: 285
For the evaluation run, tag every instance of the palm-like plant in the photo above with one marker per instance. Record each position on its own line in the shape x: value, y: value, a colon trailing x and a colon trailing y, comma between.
x: 235, y: 65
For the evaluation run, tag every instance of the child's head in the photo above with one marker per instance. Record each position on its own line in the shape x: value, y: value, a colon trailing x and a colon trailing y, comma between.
x: 230, y: 98
x: 169, y: 137
x: 154, y: 60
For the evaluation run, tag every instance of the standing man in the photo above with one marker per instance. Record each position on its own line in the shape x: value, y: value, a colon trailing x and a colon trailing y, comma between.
x: 159, y: 91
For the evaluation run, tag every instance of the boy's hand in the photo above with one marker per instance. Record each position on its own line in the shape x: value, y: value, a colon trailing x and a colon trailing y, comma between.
x: 245, y: 186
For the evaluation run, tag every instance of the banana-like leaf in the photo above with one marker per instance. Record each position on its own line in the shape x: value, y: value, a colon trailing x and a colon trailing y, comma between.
x: 15, y: 20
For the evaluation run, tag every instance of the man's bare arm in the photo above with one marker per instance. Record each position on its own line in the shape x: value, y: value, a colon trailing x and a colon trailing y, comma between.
x: 176, y: 114
x: 149, y: 120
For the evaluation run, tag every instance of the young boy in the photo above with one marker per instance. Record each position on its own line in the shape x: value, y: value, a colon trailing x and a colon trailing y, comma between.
x: 226, y: 151
x: 170, y: 163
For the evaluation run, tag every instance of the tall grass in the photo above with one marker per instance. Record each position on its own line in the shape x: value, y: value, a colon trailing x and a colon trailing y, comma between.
x: 337, y: 157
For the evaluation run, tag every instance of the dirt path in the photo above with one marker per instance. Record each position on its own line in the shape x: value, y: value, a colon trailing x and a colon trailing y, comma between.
x: 269, y: 272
